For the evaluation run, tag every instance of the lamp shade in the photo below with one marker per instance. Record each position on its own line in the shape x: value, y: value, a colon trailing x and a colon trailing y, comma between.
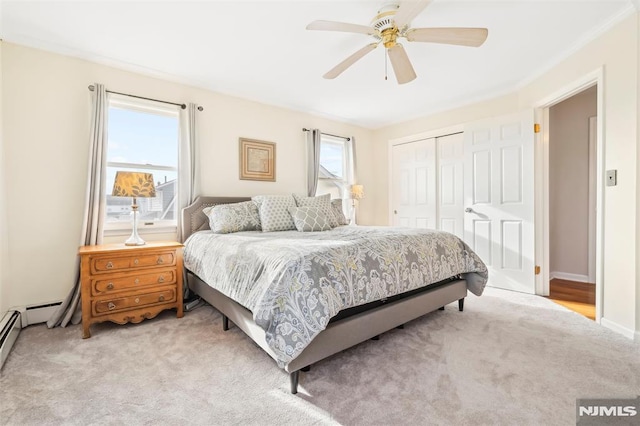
x: 134, y: 184
x: 357, y: 192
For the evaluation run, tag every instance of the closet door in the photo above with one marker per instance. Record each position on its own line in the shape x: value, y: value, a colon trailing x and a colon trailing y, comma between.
x: 450, y: 157
x: 414, y: 184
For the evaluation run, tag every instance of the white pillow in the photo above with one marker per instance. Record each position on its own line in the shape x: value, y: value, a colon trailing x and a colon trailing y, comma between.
x: 274, y: 212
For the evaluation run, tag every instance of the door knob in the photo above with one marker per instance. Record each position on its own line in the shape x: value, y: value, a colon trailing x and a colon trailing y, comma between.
x: 395, y: 212
x: 468, y: 210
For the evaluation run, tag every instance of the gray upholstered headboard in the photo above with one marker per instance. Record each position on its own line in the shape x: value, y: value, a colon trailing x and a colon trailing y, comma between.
x: 194, y: 220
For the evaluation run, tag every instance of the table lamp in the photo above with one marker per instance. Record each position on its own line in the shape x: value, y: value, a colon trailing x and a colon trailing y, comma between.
x: 356, y: 193
x: 134, y: 184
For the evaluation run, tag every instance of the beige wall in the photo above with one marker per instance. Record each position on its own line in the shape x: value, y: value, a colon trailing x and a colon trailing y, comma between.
x: 4, y: 253
x: 569, y: 183
x: 638, y: 188
x: 46, y: 136
x: 616, y: 51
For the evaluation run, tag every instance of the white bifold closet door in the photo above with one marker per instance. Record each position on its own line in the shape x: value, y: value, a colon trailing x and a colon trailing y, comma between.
x: 414, y: 184
x: 427, y: 180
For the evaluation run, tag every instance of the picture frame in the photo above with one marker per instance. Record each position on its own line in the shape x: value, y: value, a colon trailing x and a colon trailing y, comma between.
x: 257, y: 160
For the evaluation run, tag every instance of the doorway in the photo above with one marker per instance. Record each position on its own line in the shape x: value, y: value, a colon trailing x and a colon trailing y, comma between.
x: 569, y: 196
x: 572, y: 164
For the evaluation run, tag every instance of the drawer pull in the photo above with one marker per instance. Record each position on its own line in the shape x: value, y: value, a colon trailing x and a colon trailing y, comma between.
x: 137, y: 281
x: 160, y: 261
x: 135, y: 261
x: 111, y: 306
x: 137, y: 300
x: 109, y: 265
x: 161, y: 298
x: 110, y: 286
x: 161, y: 279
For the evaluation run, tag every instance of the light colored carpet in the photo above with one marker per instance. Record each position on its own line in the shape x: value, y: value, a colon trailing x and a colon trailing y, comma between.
x: 507, y: 359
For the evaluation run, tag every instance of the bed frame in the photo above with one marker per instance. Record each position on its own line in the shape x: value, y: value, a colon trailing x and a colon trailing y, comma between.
x: 338, y: 335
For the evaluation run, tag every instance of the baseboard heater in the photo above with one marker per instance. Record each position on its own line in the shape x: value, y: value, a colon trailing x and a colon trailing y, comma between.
x: 11, y: 326
x: 18, y: 318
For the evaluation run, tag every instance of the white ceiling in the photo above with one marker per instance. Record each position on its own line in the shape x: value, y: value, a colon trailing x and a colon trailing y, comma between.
x: 260, y: 50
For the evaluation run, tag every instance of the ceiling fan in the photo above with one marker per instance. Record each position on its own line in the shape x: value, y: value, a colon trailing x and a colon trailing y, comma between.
x: 391, y: 23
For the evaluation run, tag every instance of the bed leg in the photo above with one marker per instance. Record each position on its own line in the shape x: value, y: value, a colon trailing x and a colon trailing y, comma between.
x: 293, y: 378
x: 441, y: 308
x: 306, y: 369
x: 461, y: 304
x: 225, y: 323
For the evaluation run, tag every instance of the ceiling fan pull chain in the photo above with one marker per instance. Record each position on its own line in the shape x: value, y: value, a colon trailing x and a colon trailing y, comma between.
x: 385, y: 64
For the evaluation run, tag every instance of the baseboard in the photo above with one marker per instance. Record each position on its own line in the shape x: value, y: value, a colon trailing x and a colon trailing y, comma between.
x: 36, y: 314
x: 626, y: 332
x: 570, y: 277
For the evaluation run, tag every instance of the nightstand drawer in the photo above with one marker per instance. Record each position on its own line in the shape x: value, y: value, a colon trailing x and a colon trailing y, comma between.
x: 102, y: 307
x: 111, y: 285
x: 142, y: 260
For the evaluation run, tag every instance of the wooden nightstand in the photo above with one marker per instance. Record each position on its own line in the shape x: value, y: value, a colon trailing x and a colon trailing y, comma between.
x: 129, y: 283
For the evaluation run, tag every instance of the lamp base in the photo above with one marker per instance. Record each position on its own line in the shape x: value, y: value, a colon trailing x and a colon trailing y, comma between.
x: 134, y: 239
x: 137, y: 241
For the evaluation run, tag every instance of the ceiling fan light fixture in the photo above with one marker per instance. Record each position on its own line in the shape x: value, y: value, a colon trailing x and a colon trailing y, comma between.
x: 393, y: 21
x: 384, y: 19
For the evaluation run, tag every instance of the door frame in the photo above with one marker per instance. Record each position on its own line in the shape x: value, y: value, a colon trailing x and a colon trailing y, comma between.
x: 541, y: 182
x: 444, y: 131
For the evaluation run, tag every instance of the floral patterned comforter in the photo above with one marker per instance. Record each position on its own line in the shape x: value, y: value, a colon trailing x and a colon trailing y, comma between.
x: 295, y: 282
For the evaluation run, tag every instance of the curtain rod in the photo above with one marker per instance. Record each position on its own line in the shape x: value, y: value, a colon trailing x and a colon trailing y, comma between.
x: 183, y: 106
x: 328, y: 134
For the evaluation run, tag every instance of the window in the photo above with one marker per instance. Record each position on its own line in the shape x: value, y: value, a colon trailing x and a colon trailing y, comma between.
x: 143, y: 136
x: 335, y: 167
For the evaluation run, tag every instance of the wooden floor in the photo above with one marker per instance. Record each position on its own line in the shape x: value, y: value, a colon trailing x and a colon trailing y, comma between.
x: 578, y: 297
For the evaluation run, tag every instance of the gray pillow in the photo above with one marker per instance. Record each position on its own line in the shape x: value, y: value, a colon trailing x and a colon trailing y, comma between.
x: 338, y: 213
x: 311, y: 219
x: 274, y: 212
x: 236, y: 217
x: 321, y: 202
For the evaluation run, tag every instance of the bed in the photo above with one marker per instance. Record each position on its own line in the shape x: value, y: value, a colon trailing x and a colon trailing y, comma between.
x: 304, y: 296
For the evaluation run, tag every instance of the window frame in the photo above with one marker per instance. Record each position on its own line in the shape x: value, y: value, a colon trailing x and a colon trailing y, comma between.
x: 125, y: 227
x: 344, y: 182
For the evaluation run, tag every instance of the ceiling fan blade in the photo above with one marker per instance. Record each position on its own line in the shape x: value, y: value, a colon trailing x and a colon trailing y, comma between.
x: 473, y: 37
x: 401, y: 64
x: 409, y: 10
x: 342, y: 66
x: 341, y: 26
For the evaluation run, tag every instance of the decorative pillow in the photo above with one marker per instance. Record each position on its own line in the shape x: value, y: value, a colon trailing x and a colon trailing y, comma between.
x: 321, y: 202
x: 338, y: 213
x: 274, y: 212
x: 311, y: 219
x: 236, y: 217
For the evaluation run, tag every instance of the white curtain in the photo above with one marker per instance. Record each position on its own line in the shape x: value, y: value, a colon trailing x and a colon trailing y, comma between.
x: 314, y: 138
x: 94, y: 207
x: 187, y: 162
x: 351, y: 178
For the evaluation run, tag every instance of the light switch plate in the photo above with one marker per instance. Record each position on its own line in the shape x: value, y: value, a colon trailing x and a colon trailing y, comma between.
x: 612, y: 177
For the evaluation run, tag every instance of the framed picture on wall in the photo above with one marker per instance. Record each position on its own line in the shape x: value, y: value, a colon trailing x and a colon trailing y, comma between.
x: 257, y: 160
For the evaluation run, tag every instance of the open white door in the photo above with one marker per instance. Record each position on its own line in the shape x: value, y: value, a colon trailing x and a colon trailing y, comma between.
x: 499, y: 198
